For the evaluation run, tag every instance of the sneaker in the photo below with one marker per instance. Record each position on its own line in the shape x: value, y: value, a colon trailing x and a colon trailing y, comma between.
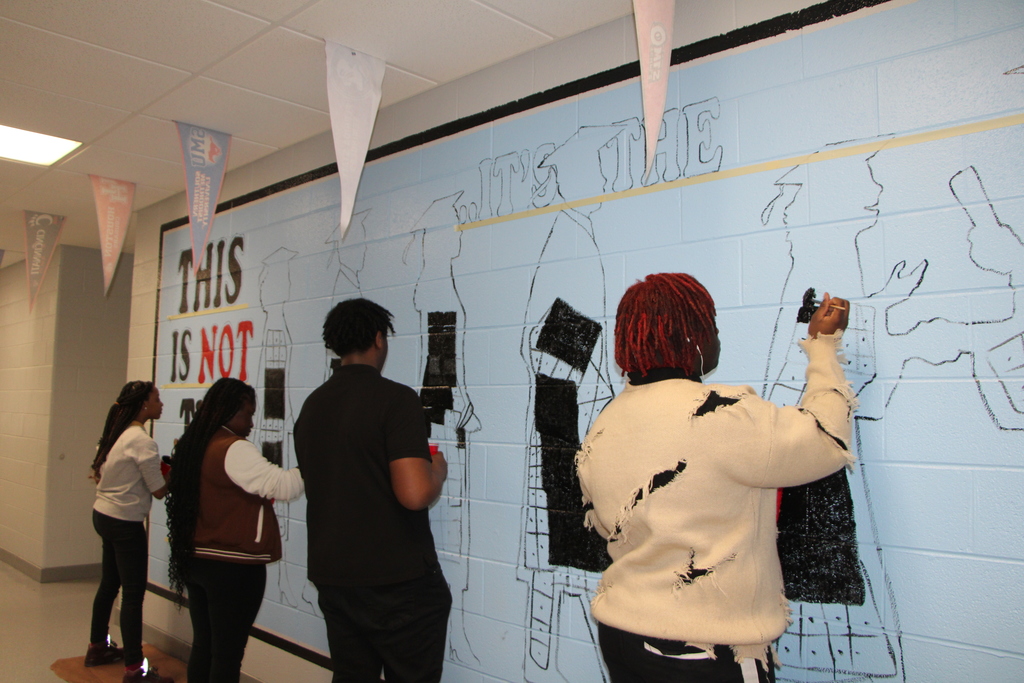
x: 145, y: 674
x: 99, y: 654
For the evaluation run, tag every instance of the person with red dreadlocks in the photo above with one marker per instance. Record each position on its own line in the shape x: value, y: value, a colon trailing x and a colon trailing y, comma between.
x: 682, y: 477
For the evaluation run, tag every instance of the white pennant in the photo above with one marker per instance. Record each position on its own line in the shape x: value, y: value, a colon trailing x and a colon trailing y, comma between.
x: 654, y: 39
x: 353, y: 93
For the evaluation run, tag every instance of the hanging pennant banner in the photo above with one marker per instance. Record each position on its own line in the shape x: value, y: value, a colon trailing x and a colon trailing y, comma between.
x: 654, y: 38
x: 42, y: 230
x: 113, y: 211
x: 353, y: 93
x: 205, y: 153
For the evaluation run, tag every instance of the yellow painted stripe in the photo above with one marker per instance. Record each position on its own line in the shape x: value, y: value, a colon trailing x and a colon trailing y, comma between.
x: 837, y: 152
x: 209, y: 311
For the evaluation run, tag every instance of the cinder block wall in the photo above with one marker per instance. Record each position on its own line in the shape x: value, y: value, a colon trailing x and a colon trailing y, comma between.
x: 944, y: 475
x: 26, y: 381
x: 61, y: 367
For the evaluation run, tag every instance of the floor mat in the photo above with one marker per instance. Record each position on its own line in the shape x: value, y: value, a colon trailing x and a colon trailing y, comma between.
x: 73, y: 669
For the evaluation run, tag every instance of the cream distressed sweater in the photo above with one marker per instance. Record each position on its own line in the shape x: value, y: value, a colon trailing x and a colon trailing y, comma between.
x: 683, y: 480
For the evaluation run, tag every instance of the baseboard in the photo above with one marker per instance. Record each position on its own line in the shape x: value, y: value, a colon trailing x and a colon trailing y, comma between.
x: 72, y: 572
x: 51, y: 574
x: 27, y: 568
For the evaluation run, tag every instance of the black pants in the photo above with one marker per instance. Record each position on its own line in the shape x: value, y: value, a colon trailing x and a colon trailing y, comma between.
x: 629, y: 661
x: 400, y: 627
x: 223, y: 601
x: 125, y: 568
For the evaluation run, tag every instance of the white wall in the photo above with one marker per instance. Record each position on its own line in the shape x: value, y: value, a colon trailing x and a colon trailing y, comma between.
x: 61, y: 367
x: 26, y: 378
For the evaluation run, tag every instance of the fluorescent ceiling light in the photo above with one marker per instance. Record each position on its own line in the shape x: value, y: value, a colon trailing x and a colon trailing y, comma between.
x: 35, y: 148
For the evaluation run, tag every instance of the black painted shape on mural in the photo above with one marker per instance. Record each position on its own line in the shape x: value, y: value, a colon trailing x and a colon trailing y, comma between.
x: 556, y: 416
x: 439, y: 375
x: 568, y: 335
x: 187, y: 410
x: 273, y: 409
x: 817, y: 543
x: 273, y: 393
x: 274, y: 452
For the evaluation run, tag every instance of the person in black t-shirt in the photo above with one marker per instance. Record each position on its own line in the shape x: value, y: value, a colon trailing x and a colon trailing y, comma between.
x: 361, y: 444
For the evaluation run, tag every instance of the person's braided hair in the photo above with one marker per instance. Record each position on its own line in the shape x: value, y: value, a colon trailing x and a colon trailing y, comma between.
x: 222, y: 402
x: 353, y: 325
x: 120, y: 416
x: 662, y: 322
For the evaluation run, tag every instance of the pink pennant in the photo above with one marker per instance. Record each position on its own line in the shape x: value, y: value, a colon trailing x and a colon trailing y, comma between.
x: 654, y: 39
x: 113, y: 211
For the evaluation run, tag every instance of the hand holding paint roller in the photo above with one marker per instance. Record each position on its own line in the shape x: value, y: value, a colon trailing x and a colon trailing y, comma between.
x: 831, y: 316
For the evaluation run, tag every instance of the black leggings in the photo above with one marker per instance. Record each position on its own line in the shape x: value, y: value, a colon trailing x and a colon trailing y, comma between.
x: 223, y: 601
x: 125, y: 567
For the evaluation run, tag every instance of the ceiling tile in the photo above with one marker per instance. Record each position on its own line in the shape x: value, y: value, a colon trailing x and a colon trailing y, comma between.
x: 437, y: 39
x: 111, y: 163
x: 271, y: 10
x: 15, y: 175
x: 60, y: 65
x: 156, y: 138
x: 44, y: 112
x: 242, y: 113
x: 186, y: 34
x: 283, y: 64
x: 561, y: 19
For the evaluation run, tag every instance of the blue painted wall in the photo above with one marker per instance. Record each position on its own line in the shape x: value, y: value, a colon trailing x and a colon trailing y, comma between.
x: 878, y: 159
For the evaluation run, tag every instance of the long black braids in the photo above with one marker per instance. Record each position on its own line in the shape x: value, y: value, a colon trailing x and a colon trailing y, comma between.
x: 120, y: 416
x: 222, y: 401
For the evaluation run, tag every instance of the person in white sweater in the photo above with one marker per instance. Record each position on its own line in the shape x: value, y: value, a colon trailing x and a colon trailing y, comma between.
x: 127, y: 474
x: 683, y: 479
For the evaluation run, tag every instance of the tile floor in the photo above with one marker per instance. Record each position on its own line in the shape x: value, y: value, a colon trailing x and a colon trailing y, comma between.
x: 40, y: 623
